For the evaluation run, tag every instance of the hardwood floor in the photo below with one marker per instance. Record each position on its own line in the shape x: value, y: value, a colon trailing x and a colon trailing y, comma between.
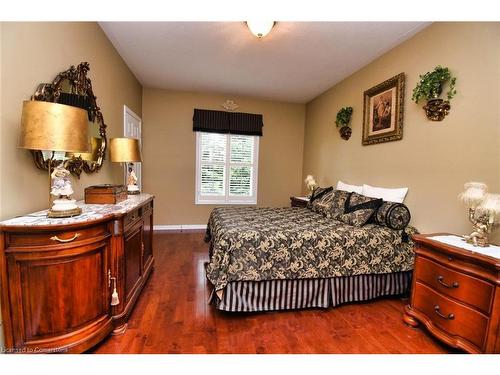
x: 172, y: 316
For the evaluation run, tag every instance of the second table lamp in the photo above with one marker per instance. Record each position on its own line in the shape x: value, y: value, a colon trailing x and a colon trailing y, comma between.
x: 126, y: 150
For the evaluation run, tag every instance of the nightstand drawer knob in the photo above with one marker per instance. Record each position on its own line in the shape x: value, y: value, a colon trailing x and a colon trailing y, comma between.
x: 440, y: 281
x: 447, y: 317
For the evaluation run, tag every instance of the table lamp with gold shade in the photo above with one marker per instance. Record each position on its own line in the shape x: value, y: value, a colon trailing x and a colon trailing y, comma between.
x: 55, y: 129
x: 127, y: 151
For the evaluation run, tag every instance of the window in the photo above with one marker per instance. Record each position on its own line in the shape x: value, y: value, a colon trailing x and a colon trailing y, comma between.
x: 226, y: 168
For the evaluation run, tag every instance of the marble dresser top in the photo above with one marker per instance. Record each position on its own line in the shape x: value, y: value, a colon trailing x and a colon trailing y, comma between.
x: 90, y: 212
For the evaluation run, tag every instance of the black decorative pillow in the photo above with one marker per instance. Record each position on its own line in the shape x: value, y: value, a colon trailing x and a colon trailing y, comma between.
x: 323, y: 204
x: 337, y: 207
x: 318, y: 192
x: 359, y: 209
x: 393, y: 215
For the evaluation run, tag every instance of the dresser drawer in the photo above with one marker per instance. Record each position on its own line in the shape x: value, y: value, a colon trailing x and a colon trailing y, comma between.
x: 147, y: 208
x: 132, y: 217
x: 452, y: 317
x: 54, y: 238
x: 465, y: 288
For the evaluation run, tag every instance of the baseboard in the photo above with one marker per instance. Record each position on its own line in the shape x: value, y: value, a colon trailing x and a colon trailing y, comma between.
x: 180, y: 227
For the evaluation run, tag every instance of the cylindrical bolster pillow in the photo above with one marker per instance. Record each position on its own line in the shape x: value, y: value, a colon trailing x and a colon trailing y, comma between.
x: 393, y: 215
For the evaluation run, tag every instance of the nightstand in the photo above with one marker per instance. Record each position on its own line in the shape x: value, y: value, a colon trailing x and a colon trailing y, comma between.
x: 299, y: 201
x: 456, y: 295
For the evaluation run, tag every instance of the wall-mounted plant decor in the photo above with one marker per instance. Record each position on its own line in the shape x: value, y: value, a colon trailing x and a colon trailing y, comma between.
x: 430, y: 88
x: 343, y: 122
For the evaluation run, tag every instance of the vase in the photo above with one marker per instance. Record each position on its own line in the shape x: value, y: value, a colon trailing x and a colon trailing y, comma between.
x: 437, y: 109
x: 345, y: 132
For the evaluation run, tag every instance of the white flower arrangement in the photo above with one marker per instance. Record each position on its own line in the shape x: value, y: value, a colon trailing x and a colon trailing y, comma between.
x: 310, y: 182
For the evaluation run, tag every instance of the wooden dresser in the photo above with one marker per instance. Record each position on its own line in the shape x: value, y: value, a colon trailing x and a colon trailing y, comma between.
x: 456, y: 296
x: 57, y: 276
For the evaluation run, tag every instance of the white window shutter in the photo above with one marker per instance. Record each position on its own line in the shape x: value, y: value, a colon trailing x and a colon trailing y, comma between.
x: 242, y: 149
x: 240, y: 181
x: 212, y: 180
x: 213, y: 148
x: 240, y: 171
x: 226, y: 168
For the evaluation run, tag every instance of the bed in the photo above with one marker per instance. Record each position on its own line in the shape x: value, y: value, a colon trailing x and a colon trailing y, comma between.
x: 264, y: 259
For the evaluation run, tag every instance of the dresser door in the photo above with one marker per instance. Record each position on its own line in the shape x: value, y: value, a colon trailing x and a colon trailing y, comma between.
x: 148, y: 240
x: 132, y: 247
x: 60, y: 298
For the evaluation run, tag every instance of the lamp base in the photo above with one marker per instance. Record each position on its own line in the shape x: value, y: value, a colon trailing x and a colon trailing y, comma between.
x: 133, y: 190
x: 65, y: 213
x: 64, y: 208
x: 482, y: 227
x: 476, y: 240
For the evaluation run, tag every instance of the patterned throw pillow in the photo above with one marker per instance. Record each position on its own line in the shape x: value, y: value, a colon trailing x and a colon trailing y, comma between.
x: 317, y: 193
x: 359, y: 209
x: 323, y: 204
x: 338, y: 204
x: 393, y: 215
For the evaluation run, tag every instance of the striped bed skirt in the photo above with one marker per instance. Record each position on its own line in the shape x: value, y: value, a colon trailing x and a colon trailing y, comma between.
x: 271, y: 295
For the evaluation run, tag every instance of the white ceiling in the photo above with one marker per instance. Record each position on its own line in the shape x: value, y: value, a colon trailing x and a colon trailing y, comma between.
x: 294, y: 63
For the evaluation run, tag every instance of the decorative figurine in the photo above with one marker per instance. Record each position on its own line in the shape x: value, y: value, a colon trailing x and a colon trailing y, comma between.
x: 132, y: 187
x: 479, y: 237
x: 61, y: 184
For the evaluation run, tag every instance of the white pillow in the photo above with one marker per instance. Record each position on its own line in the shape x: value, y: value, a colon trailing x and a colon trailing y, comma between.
x: 387, y: 194
x: 351, y: 188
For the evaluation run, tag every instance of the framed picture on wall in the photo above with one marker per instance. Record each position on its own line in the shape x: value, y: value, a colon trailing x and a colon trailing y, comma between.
x: 383, y: 111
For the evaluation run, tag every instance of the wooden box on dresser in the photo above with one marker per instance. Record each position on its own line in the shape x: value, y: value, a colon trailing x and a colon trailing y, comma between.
x: 57, y: 275
x: 456, y: 295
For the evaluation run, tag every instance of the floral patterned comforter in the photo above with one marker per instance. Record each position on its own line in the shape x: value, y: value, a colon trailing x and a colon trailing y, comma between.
x: 296, y: 243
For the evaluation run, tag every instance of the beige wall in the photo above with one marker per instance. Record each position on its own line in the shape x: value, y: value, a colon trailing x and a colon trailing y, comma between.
x: 31, y: 53
x: 434, y: 159
x: 169, y: 152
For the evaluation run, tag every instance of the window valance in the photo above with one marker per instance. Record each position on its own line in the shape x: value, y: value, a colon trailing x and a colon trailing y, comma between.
x: 205, y: 120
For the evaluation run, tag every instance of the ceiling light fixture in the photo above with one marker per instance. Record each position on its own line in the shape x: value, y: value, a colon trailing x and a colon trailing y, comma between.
x: 260, y: 28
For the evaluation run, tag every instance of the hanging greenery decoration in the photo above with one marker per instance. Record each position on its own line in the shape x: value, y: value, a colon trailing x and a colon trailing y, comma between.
x: 343, y: 122
x: 430, y: 85
x: 430, y: 88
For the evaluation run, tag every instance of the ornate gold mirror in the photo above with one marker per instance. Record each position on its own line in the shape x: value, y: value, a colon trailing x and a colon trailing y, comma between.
x: 73, y: 87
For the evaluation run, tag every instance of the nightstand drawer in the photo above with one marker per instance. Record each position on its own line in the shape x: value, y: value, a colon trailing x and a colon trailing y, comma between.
x: 450, y: 316
x: 468, y: 289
